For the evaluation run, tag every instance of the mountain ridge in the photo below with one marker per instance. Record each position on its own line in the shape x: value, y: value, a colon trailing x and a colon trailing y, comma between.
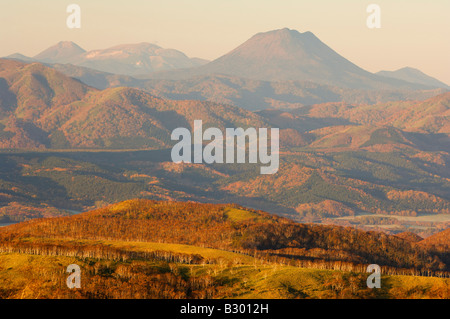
x: 248, y: 94
x: 277, y: 55
x: 127, y: 59
x: 63, y: 109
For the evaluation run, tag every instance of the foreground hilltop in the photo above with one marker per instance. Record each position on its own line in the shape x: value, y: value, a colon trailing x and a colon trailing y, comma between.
x: 155, y: 249
x: 225, y: 227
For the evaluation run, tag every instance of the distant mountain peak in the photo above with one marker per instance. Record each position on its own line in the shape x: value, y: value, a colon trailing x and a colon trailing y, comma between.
x: 414, y: 76
x: 289, y: 55
x: 281, y: 36
x: 282, y: 44
x: 60, y: 52
x: 19, y: 57
x: 69, y: 44
x: 284, y: 31
x: 137, y: 46
x: 410, y: 70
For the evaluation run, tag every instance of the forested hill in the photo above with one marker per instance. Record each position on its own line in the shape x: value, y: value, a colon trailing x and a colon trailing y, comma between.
x: 219, y: 226
x: 41, y: 108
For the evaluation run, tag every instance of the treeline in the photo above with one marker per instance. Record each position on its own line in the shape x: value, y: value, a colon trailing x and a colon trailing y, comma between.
x: 99, y: 252
x: 292, y: 257
x: 317, y: 263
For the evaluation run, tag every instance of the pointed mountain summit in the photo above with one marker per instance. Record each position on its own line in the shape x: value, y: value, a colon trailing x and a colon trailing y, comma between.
x: 285, y: 45
x: 288, y: 55
x: 414, y: 76
x: 62, y: 52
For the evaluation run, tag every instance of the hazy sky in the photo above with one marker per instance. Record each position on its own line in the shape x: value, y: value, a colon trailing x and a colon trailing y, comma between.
x: 413, y: 33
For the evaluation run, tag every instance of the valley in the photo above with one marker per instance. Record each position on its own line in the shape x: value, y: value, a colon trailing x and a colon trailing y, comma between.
x: 81, y: 180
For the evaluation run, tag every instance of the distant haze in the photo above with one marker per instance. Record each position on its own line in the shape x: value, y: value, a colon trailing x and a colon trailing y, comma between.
x: 414, y: 33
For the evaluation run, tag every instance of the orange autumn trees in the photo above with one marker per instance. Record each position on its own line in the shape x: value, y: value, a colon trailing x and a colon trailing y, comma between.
x: 255, y: 233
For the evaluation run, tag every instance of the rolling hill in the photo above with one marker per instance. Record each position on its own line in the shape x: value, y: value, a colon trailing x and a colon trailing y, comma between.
x: 411, y: 237
x: 42, y: 108
x: 439, y: 241
x: 225, y: 227
x: 157, y: 249
x: 244, y: 93
x: 429, y: 116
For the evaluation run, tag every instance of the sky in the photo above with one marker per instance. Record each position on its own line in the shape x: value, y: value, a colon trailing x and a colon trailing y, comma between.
x: 413, y: 33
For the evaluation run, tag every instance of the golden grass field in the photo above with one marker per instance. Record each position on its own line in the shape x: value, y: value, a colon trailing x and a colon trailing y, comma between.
x: 238, y: 276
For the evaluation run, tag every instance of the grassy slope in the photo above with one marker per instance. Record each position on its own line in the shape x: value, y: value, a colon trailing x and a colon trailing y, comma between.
x: 31, y: 276
x: 135, y: 246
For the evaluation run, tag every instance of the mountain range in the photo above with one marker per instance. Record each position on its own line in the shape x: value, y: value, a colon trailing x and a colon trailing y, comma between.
x: 38, y: 101
x: 248, y: 94
x: 128, y: 59
x: 41, y: 107
x: 287, y: 55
